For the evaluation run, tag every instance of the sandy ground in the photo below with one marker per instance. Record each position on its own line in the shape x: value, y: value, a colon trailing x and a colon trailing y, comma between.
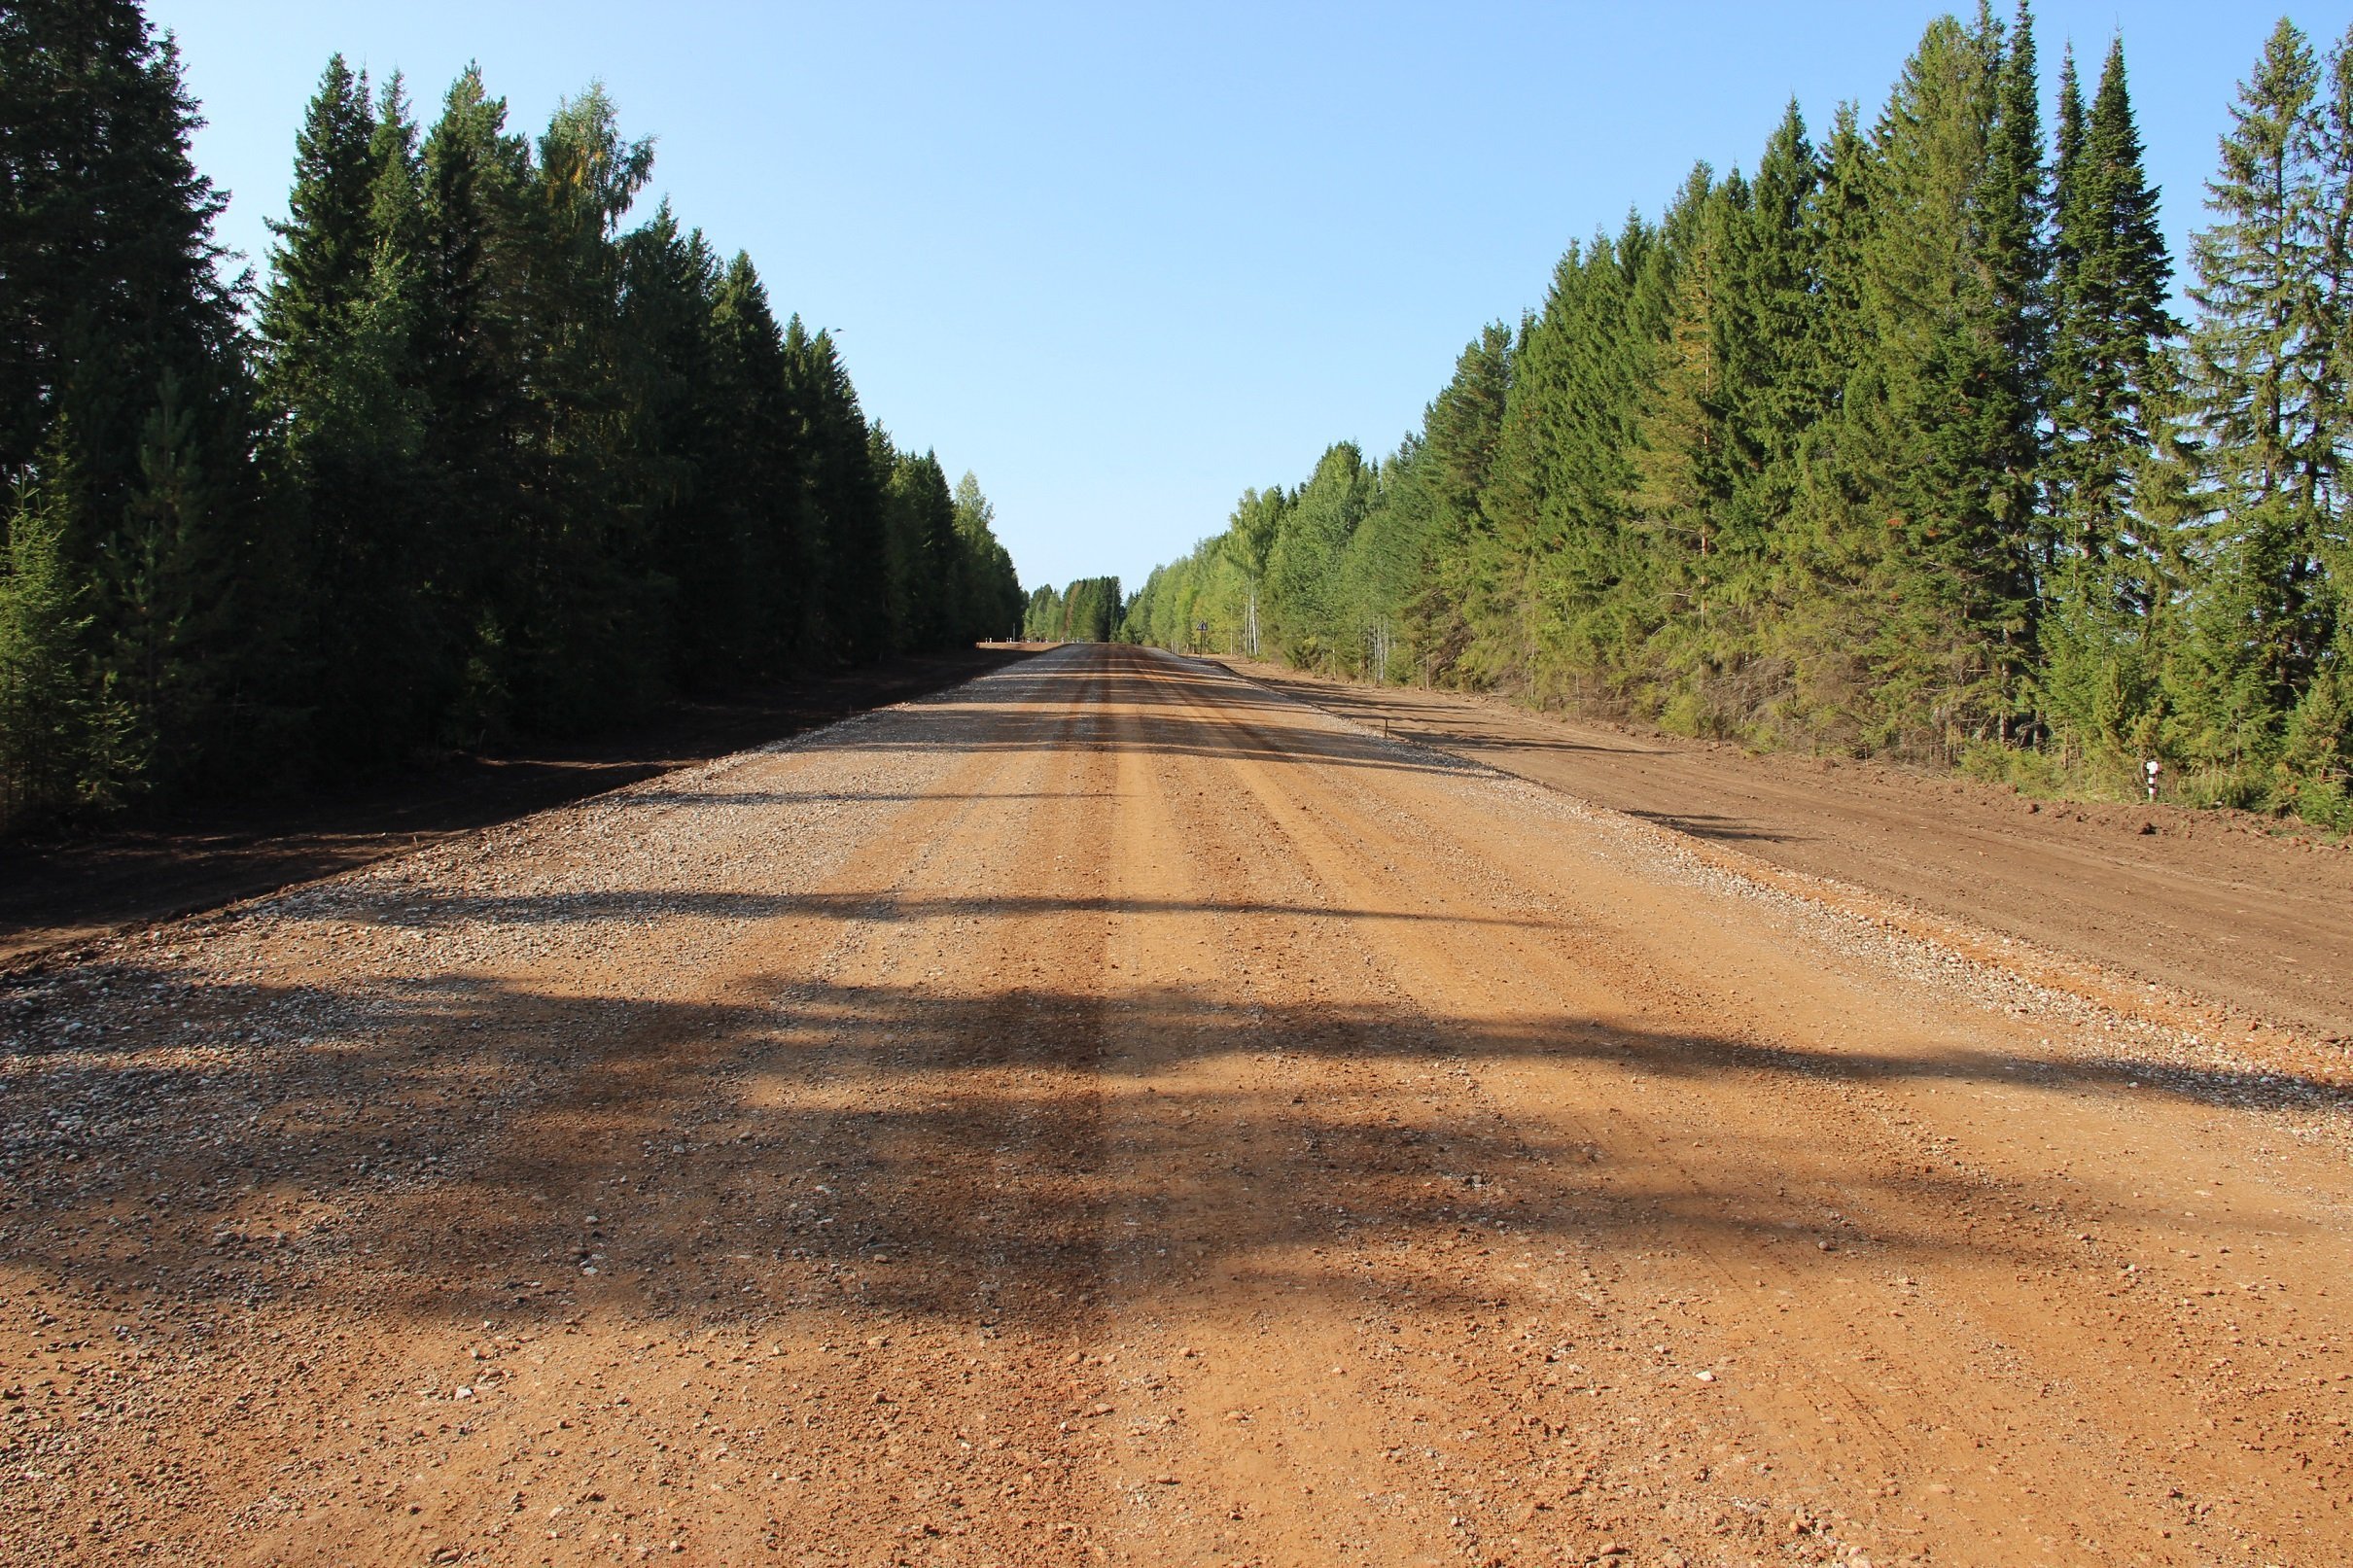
x: 1111, y: 1112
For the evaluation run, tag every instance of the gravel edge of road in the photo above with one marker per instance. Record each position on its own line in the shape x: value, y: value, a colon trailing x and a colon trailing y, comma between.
x: 35, y: 966
x: 2306, y: 1078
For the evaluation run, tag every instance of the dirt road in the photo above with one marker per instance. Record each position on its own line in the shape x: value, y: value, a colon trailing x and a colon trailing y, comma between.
x: 2222, y: 906
x: 1109, y: 1112
x: 58, y: 891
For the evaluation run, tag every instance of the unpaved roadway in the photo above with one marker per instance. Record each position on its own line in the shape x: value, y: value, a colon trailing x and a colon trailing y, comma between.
x: 64, y: 889
x: 1110, y: 1112
x: 2251, y: 915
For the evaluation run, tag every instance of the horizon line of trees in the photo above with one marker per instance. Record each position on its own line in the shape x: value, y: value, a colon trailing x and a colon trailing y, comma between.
x: 481, y: 459
x: 1892, y: 445
x: 1088, y: 610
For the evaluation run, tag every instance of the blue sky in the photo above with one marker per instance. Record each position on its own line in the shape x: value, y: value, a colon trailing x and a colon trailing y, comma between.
x: 1122, y: 260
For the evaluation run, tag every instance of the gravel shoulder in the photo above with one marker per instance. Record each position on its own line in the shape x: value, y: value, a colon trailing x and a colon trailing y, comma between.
x: 1114, y: 1111
x: 62, y: 891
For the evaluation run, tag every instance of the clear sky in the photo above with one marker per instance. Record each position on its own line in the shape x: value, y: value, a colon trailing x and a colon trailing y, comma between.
x: 1122, y: 260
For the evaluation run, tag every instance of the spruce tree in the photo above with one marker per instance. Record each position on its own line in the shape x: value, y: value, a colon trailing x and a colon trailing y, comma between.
x: 2319, y: 740
x: 1461, y: 431
x: 1824, y: 546
x: 844, y: 486
x: 2112, y: 323
x: 118, y: 324
x: 760, y: 482
x: 1766, y: 325
x: 55, y: 729
x: 1683, y: 470
x: 919, y: 516
x: 2013, y: 218
x: 347, y: 422
x: 665, y: 453
x: 107, y: 262
x: 2112, y: 315
x: 319, y: 268
x: 470, y: 353
x: 1936, y: 423
x: 2263, y: 615
x: 2067, y: 149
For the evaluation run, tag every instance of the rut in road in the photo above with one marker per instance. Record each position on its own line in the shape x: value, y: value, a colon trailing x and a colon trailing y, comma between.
x: 1109, y: 1111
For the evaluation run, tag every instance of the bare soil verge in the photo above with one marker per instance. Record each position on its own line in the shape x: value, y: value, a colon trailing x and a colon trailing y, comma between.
x: 62, y: 889
x: 2244, y: 913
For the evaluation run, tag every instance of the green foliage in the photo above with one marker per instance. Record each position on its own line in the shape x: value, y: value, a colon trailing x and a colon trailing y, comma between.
x: 58, y: 740
x: 492, y: 460
x: 987, y: 601
x: 1892, y: 446
x: 1090, y: 610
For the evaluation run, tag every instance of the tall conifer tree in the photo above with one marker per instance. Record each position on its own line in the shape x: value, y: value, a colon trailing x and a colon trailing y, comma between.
x: 2107, y: 368
x: 2260, y: 355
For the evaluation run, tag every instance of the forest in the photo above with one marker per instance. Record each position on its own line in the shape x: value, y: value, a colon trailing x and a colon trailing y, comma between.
x: 1088, y: 610
x: 1892, y: 445
x: 480, y: 458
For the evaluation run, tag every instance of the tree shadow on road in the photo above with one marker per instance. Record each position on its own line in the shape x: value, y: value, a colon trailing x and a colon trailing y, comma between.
x: 438, y: 1146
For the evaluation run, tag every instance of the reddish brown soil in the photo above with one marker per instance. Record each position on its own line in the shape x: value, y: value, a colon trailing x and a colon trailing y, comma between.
x: 2246, y: 913
x: 62, y: 889
x: 1111, y: 1112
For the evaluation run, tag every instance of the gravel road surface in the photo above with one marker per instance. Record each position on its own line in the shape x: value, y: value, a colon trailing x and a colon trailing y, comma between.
x: 2252, y: 915
x: 1114, y: 1112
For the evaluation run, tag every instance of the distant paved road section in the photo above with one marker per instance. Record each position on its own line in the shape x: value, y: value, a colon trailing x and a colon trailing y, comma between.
x: 2252, y: 915
x: 1110, y: 1111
